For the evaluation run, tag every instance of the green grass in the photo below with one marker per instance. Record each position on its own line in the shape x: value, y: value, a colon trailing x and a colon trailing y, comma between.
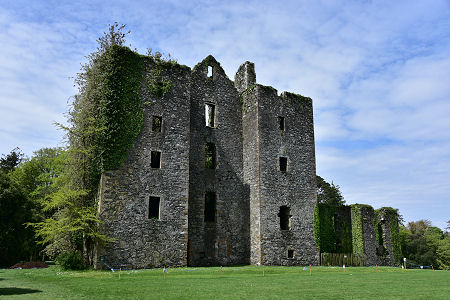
x: 232, y: 283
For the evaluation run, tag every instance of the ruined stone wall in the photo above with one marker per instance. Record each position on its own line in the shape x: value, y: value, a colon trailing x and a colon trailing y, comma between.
x: 296, y: 187
x: 225, y: 241
x: 124, y: 197
x: 245, y: 80
x: 246, y: 179
x: 368, y: 219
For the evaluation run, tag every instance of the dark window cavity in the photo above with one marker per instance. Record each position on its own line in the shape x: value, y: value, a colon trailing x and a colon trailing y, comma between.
x: 210, y: 114
x: 290, y: 253
x: 281, y: 123
x: 285, y: 218
x: 210, y: 156
x: 210, y: 207
x: 153, y: 207
x: 283, y: 164
x: 156, y: 159
x: 210, y: 71
x: 156, y: 124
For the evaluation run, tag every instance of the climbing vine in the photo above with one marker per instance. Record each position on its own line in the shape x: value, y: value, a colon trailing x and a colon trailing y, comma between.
x: 391, y: 215
x: 121, y: 113
x: 357, y: 229
x: 323, y: 227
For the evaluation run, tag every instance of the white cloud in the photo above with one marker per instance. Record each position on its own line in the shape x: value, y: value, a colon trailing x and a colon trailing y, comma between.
x: 378, y: 74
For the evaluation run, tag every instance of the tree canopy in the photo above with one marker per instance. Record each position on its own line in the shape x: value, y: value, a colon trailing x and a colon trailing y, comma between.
x: 328, y: 193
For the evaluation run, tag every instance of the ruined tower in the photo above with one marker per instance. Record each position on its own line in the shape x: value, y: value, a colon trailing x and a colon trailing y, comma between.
x: 222, y: 173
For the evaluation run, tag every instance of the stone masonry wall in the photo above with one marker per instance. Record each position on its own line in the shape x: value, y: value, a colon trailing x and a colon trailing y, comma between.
x: 295, y: 188
x: 124, y: 198
x: 226, y: 240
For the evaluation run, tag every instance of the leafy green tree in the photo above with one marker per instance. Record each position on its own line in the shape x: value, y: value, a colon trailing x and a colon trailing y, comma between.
x: 10, y: 161
x: 424, y: 244
x: 443, y: 253
x: 16, y: 241
x: 94, y: 129
x: 328, y: 193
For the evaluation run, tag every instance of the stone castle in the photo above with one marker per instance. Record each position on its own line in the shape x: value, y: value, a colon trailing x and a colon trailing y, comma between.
x: 222, y: 173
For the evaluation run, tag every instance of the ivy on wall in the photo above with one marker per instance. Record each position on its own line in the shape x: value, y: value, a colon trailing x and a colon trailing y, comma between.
x: 121, y: 114
x: 391, y: 216
x: 323, y: 226
x: 357, y: 229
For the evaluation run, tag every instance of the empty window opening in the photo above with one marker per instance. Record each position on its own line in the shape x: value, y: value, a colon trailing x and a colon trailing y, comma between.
x: 156, y: 159
x: 210, y: 156
x: 290, y: 253
x: 281, y: 123
x: 283, y: 164
x: 210, y: 71
x: 153, y: 207
x: 285, y: 218
x: 210, y: 207
x: 156, y: 124
x: 210, y: 114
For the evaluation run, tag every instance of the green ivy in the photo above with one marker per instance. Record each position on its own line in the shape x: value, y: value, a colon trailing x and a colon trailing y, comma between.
x: 323, y: 227
x: 346, y: 237
x: 357, y: 229
x: 391, y: 215
x: 121, y: 116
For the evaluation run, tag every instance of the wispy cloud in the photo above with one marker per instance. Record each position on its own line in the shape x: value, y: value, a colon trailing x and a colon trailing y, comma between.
x: 378, y: 74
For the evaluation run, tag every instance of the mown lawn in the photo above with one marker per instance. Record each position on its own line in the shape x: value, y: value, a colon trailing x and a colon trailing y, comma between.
x: 231, y: 283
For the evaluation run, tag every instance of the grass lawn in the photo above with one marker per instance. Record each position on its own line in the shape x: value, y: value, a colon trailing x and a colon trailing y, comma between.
x: 231, y: 283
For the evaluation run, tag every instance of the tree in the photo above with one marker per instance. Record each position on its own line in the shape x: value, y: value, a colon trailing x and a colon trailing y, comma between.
x: 10, y: 161
x: 74, y: 223
x: 424, y: 244
x: 328, y: 193
x: 16, y: 241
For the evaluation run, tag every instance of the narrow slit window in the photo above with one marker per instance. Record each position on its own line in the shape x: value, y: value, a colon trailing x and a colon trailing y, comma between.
x: 153, y: 207
x: 210, y: 71
x: 210, y: 156
x: 283, y: 164
x: 290, y: 253
x: 156, y: 160
x: 281, y: 123
x: 210, y: 114
x: 285, y: 218
x: 156, y: 124
x: 210, y: 207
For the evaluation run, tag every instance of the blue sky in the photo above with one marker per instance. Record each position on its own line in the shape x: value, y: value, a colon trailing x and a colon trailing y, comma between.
x: 378, y: 73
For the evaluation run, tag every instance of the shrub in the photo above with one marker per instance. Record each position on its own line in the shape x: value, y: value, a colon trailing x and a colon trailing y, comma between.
x: 71, y: 261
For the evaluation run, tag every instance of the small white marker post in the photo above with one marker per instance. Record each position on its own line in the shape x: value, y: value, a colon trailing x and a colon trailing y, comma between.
x: 404, y: 260
x: 345, y: 256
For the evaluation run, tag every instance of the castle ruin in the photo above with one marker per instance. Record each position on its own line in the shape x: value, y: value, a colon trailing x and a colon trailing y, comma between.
x: 222, y: 173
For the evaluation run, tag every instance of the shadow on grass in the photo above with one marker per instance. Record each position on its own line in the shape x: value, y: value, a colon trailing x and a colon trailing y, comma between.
x: 17, y: 291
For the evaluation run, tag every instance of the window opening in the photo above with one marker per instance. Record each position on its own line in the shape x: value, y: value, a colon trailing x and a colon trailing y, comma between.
x: 156, y: 124
x: 281, y: 123
x: 210, y: 112
x: 285, y: 218
x: 210, y: 207
x: 290, y: 253
x: 156, y: 159
x: 210, y: 71
x: 210, y: 156
x: 153, y: 207
x: 283, y: 164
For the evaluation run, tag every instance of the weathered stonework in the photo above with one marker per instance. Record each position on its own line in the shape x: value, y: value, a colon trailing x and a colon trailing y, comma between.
x: 262, y: 179
x: 359, y: 230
